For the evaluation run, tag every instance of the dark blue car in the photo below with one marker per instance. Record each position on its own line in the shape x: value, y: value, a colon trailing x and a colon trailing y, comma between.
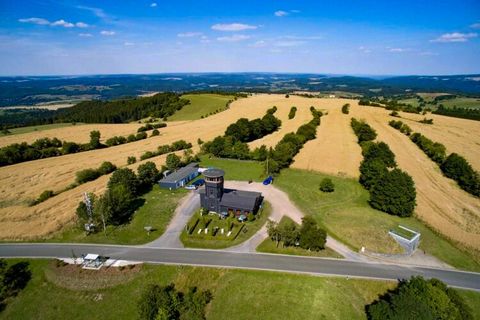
x: 199, y: 182
x: 268, y: 180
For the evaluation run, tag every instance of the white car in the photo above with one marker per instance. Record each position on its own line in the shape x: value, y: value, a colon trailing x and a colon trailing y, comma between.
x: 190, y: 187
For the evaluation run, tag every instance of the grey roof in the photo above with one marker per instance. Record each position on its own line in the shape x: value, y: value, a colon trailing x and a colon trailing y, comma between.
x: 180, y: 174
x: 239, y: 199
x: 214, y: 173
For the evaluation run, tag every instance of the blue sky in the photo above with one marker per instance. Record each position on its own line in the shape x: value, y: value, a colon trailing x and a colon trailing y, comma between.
x: 46, y: 37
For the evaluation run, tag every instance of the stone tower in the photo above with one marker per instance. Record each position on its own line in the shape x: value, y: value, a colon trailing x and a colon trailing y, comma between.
x: 213, y: 188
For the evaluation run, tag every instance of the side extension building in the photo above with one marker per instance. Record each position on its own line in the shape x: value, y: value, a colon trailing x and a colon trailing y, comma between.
x: 214, y: 197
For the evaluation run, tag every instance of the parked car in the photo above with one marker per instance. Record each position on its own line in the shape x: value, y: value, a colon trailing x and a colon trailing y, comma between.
x: 191, y: 187
x: 199, y: 183
x: 268, y: 180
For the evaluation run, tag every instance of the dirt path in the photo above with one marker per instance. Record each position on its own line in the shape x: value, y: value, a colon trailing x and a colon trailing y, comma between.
x: 335, y: 150
x: 440, y: 202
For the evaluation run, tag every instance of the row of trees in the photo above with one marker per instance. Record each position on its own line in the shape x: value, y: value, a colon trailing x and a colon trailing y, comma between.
x: 13, y: 279
x: 391, y: 189
x: 418, y: 298
x: 86, y: 175
x: 293, y: 111
x: 402, y: 127
x: 453, y: 166
x: 45, y: 148
x: 308, y: 236
x: 166, y: 302
x: 160, y: 105
x: 465, y: 113
x: 389, y: 104
x: 362, y: 130
x: 286, y: 149
x: 163, y: 149
x: 245, y: 130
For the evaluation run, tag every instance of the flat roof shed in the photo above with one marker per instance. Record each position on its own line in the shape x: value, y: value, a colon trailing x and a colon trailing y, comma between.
x: 180, y: 177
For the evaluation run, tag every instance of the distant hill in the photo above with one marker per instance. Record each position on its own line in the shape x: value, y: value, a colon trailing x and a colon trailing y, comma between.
x: 26, y: 90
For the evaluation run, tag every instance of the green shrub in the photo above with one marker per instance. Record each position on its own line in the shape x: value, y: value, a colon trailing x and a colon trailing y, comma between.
x: 292, y: 112
x: 45, y: 195
x: 155, y: 132
x: 346, y: 108
x: 106, y: 168
x: 131, y: 160
x: 326, y: 185
x: 86, y: 175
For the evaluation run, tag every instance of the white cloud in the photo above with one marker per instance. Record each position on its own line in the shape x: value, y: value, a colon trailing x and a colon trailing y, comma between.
x: 85, y: 35
x: 39, y: 21
x: 288, y: 43
x: 232, y: 27
x: 233, y: 38
x: 364, y: 49
x: 128, y: 44
x: 81, y: 25
x: 62, y: 23
x: 475, y: 25
x: 281, y: 13
x: 96, y: 11
x: 107, y: 33
x: 259, y: 44
x: 189, y: 34
x: 427, y: 53
x: 455, y: 37
x: 153, y: 5
x: 58, y: 23
x: 398, y: 50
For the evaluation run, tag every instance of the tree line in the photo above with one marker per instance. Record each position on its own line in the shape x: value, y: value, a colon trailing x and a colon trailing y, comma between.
x: 453, y: 166
x: 465, y: 113
x: 244, y: 130
x: 53, y: 147
x: 418, y: 298
x: 391, y: 189
x: 402, y: 127
x: 234, y: 143
x: 160, y: 105
x: 308, y: 236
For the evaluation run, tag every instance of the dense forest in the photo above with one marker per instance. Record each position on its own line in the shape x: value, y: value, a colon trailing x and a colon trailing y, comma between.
x: 160, y: 105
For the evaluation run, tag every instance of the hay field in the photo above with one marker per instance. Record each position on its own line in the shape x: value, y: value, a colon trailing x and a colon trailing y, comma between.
x: 458, y: 135
x: 335, y: 149
x: 440, y: 202
x: 25, y: 181
x: 79, y: 133
x: 302, y: 116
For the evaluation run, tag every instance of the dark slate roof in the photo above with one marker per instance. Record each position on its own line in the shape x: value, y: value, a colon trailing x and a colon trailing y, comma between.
x: 181, y: 173
x: 239, y: 199
x: 214, y: 173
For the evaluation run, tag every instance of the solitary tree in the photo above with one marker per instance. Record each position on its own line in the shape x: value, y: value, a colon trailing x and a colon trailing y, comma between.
x: 311, y: 236
x: 173, y: 161
x: 94, y: 139
x: 326, y: 185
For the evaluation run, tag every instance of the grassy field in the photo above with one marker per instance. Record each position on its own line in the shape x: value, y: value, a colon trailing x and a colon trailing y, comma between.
x: 270, y: 246
x: 237, y: 294
x: 461, y: 102
x: 236, y: 169
x: 201, y: 105
x: 219, y: 241
x: 156, y: 211
x: 41, y: 128
x: 347, y: 216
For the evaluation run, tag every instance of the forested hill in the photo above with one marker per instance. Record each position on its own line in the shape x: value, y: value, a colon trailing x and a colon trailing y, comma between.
x: 119, y: 111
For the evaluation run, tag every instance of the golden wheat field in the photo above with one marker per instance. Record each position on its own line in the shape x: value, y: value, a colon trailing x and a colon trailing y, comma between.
x: 79, y: 133
x: 441, y: 203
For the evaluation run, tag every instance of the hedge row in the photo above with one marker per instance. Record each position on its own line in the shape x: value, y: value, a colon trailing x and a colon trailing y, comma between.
x: 163, y: 149
x: 399, y: 125
x: 453, y: 166
x: 391, y: 189
x: 92, y: 174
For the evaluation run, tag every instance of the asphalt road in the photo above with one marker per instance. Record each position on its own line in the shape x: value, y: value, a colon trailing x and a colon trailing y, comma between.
x: 216, y: 258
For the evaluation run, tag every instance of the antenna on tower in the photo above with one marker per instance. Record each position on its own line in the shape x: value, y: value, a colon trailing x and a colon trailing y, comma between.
x: 89, y: 227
